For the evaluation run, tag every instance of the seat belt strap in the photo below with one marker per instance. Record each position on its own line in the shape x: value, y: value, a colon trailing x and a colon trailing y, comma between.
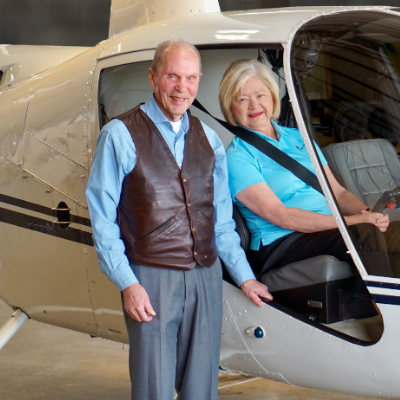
x: 270, y: 150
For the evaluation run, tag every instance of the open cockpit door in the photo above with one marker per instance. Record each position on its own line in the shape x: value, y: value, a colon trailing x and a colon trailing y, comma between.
x: 342, y: 72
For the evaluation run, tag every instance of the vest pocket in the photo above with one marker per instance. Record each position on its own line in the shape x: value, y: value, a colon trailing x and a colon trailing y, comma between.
x: 205, y: 219
x: 206, y: 224
x: 158, y: 232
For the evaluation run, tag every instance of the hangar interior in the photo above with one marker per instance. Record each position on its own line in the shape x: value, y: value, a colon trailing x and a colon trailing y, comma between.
x: 343, y: 101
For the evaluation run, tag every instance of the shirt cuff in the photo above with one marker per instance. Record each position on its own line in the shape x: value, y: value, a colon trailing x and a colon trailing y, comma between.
x: 241, y: 272
x: 244, y: 276
x: 123, y: 277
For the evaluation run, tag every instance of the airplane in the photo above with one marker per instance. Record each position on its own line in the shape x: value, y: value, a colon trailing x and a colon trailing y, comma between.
x: 334, y: 327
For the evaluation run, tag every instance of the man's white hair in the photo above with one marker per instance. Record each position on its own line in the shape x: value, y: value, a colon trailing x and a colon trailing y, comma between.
x: 162, y: 47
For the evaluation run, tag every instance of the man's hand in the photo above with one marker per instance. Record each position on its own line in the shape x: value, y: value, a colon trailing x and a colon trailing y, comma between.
x: 254, y: 290
x: 137, y: 303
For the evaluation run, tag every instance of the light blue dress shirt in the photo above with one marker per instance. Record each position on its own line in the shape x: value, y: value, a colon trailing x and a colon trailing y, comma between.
x: 248, y: 166
x: 115, y: 158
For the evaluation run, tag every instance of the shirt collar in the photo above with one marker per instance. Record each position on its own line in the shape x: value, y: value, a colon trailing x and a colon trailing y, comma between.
x: 278, y: 129
x: 157, y: 116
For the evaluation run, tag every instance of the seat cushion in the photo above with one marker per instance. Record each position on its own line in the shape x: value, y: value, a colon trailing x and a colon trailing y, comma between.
x: 319, y: 269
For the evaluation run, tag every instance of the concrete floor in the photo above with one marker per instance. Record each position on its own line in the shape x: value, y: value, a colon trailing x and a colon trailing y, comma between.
x: 49, y: 363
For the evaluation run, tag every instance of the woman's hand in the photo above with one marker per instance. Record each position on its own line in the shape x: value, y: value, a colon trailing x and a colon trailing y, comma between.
x: 381, y: 221
x: 260, y: 199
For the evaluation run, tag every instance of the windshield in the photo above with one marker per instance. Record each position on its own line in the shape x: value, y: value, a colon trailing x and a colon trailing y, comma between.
x: 346, y: 69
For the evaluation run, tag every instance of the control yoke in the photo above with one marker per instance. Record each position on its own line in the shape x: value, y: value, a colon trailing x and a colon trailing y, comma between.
x: 389, y: 199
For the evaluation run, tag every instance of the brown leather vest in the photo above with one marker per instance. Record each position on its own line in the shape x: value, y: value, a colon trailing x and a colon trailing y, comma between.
x: 166, y: 214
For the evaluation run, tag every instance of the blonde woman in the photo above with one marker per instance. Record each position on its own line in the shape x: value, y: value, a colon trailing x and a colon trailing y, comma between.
x: 274, y: 202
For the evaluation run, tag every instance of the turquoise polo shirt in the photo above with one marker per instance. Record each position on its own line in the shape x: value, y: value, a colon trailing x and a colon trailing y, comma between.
x: 248, y: 166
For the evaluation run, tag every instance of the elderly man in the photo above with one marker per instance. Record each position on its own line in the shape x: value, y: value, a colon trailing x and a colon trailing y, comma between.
x: 165, y: 173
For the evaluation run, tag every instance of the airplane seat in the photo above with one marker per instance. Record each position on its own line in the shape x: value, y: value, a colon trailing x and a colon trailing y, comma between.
x: 319, y: 269
x: 241, y: 229
x: 322, y: 288
x: 366, y: 168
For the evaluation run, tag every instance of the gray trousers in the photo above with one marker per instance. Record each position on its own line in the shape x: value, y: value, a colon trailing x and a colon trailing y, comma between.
x: 180, y: 347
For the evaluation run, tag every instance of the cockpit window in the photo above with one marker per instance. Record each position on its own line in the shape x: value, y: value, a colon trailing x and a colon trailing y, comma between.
x: 121, y: 88
x: 346, y: 70
x: 229, y: 5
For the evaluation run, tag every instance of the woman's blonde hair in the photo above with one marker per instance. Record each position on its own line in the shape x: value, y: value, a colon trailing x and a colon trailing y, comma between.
x: 237, y: 74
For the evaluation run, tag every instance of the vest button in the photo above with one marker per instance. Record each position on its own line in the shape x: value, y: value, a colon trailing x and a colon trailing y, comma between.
x: 192, y: 229
x: 184, y: 180
x: 195, y: 253
x: 188, y: 205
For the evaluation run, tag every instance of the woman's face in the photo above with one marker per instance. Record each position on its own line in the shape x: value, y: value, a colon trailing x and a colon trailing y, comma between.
x: 253, y: 105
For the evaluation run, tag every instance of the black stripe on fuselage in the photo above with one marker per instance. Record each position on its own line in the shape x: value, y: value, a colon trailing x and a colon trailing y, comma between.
x: 43, y: 226
x: 383, y: 285
x: 40, y: 209
x: 386, y: 299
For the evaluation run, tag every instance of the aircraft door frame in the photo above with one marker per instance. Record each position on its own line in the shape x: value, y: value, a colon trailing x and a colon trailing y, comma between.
x: 290, y: 85
x: 307, y: 47
x: 105, y: 296
x: 109, y: 62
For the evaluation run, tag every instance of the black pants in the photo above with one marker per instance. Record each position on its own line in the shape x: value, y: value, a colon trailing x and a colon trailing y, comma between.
x: 379, y: 252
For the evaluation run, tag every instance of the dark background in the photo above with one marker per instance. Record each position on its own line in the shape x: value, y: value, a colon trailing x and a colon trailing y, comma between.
x: 228, y: 5
x: 54, y: 22
x: 86, y: 22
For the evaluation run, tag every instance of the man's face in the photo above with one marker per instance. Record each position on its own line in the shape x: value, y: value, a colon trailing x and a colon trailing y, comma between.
x: 176, y: 82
